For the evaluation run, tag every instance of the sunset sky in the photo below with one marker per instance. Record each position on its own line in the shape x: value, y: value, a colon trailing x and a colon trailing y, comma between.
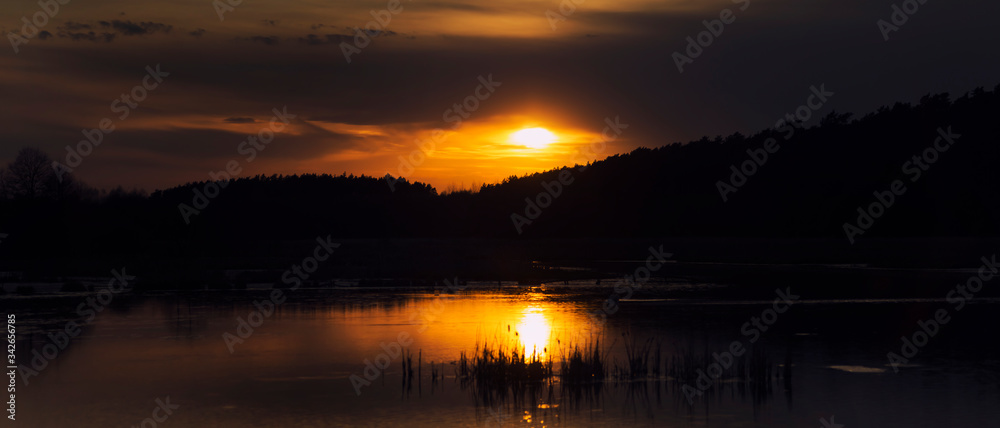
x: 607, y: 59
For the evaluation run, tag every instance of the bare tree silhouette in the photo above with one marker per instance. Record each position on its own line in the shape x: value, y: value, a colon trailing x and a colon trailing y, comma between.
x: 31, y: 175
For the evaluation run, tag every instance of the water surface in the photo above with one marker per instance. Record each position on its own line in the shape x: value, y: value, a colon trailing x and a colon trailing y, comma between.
x: 828, y: 360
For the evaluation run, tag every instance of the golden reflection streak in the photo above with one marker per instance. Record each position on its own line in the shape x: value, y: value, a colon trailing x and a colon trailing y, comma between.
x: 443, y: 327
x: 534, y: 332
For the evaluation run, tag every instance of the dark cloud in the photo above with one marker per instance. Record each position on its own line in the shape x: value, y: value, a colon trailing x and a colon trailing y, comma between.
x: 82, y: 31
x: 129, y: 28
x: 465, y: 7
x: 271, y: 22
x: 44, y: 35
x: 760, y: 68
x: 215, y: 147
x: 239, y: 120
x: 351, y: 31
x: 379, y: 33
x: 75, y: 26
x: 267, y: 40
x: 197, y: 33
x: 313, y: 40
x: 88, y: 36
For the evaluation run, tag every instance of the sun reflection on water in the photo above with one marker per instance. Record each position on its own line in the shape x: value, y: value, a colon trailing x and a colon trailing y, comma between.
x: 534, y: 331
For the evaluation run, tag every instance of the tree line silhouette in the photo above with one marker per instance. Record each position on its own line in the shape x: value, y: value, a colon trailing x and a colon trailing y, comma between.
x: 810, y: 187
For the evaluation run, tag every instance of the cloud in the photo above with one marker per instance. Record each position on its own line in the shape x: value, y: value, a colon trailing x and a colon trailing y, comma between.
x: 312, y: 39
x: 129, y: 28
x: 267, y: 40
x: 239, y: 120
x: 75, y: 26
x: 88, y: 36
x: 465, y: 7
x: 108, y: 31
x: 759, y: 69
x: 379, y: 33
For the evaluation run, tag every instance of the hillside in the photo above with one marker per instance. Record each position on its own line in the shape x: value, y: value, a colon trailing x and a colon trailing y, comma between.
x: 811, y: 185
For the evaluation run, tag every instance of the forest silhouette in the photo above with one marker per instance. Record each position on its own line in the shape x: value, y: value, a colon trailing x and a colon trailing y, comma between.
x: 809, y: 188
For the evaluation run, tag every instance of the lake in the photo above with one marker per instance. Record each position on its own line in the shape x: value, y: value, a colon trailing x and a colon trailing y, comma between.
x: 185, y: 359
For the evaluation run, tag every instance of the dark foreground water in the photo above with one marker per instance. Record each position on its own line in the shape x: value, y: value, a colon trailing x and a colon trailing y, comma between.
x: 825, y: 361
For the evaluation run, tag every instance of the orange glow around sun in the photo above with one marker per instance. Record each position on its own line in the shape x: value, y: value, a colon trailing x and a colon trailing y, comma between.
x: 482, y: 150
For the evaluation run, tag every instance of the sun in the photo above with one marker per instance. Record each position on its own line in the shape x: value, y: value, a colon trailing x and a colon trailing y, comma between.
x: 535, y: 138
